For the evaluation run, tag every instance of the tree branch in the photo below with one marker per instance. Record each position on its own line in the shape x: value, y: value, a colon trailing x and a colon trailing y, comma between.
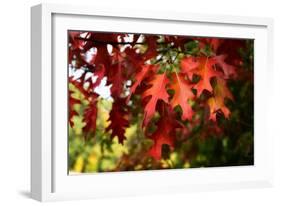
x: 117, y: 43
x: 109, y: 42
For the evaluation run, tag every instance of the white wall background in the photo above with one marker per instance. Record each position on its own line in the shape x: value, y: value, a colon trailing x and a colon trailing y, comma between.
x: 15, y: 95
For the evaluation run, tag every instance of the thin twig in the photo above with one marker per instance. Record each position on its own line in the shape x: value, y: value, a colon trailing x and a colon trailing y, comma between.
x: 115, y: 43
x: 108, y: 42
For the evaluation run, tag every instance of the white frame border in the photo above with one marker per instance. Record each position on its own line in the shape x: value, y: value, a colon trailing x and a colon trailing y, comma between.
x: 42, y: 89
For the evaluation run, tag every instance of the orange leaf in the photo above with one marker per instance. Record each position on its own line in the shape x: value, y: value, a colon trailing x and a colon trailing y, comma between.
x: 157, y: 92
x: 183, y: 93
x: 216, y: 103
x: 202, y: 66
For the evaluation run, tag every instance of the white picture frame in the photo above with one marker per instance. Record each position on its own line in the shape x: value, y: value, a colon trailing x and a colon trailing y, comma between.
x: 49, y: 178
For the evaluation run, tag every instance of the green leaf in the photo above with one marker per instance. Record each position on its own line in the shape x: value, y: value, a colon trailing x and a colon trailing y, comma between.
x: 191, y: 47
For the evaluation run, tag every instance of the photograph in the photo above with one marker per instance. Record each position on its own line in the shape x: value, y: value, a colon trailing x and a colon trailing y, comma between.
x: 141, y: 101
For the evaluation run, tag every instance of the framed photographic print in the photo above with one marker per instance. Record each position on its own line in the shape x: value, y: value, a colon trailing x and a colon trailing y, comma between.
x: 135, y: 102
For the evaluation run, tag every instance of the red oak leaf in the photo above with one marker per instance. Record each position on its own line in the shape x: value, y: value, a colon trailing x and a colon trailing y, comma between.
x: 79, y: 84
x: 118, y: 118
x: 134, y: 60
x: 77, y: 49
x: 231, y: 47
x: 177, y: 41
x: 214, y: 43
x: 183, y: 93
x: 100, y: 42
x: 117, y: 79
x: 116, y: 74
x: 99, y: 73
x: 151, y: 47
x: 160, y: 138
x: 140, y: 76
x: 74, y: 41
x: 102, y: 57
x: 165, y: 133
x: 90, y: 115
x: 216, y: 103
x: 202, y: 66
x: 189, y: 65
x: 228, y: 69
x: 156, y: 92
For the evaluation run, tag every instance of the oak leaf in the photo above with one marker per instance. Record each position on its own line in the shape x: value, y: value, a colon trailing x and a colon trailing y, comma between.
x: 156, y: 92
x: 183, y: 93
x: 140, y: 76
x: 216, y: 103
x: 203, y: 67
x: 228, y: 69
x: 90, y: 115
x: 151, y: 51
x: 214, y: 43
x: 118, y: 118
x: 163, y: 135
